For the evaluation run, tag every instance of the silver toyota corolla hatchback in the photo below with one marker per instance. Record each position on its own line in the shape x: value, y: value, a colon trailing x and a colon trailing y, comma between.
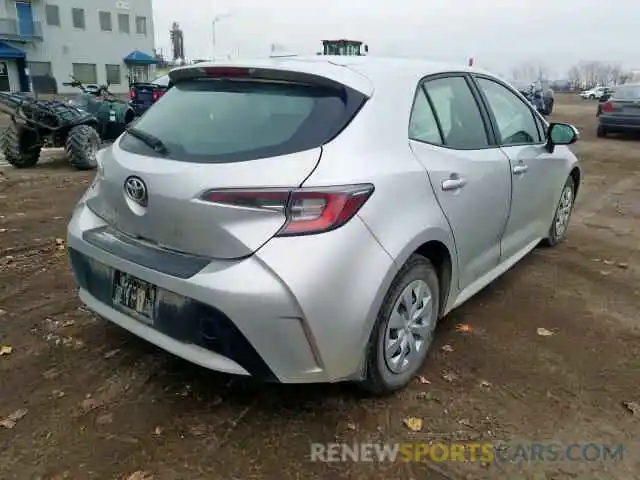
x: 310, y: 219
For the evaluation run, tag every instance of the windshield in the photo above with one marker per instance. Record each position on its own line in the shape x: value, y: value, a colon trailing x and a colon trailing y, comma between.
x: 214, y: 121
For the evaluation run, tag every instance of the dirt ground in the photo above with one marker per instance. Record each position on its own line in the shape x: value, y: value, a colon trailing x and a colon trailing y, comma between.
x: 102, y: 404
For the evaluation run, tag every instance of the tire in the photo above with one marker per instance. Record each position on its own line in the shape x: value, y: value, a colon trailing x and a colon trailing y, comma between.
x: 20, y: 146
x: 380, y: 377
x: 601, y: 132
x: 83, y: 142
x: 549, y: 109
x: 558, y: 229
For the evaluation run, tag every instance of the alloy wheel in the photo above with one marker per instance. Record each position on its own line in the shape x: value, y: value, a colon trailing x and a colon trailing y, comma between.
x: 563, y: 213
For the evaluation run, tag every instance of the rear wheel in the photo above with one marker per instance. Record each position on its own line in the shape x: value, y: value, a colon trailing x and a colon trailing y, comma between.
x: 404, y: 329
x: 82, y: 145
x: 21, y: 146
x: 549, y: 108
x: 558, y: 229
x: 601, y: 132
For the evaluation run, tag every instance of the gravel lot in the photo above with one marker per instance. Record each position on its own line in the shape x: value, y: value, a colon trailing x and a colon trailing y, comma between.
x: 97, y: 403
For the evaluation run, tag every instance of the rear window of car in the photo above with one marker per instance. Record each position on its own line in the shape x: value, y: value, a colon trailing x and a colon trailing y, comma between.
x: 219, y: 121
x: 627, y: 93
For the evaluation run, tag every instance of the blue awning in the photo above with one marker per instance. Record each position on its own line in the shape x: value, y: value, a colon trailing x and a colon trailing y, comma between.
x: 7, y: 51
x: 140, y: 58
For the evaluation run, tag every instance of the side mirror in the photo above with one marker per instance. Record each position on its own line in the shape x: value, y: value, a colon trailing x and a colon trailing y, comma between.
x: 561, y: 134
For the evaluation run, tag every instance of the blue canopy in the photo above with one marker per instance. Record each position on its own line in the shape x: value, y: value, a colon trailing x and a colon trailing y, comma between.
x: 140, y: 58
x: 7, y: 51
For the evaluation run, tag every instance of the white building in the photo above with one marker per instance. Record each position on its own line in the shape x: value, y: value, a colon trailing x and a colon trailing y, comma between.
x: 43, y: 42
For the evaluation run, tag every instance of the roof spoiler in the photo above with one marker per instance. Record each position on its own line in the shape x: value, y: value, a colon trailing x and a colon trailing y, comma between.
x: 252, y: 73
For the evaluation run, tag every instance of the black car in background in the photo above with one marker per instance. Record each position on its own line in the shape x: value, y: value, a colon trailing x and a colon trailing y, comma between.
x: 620, y: 112
x: 606, y: 95
x: 144, y: 94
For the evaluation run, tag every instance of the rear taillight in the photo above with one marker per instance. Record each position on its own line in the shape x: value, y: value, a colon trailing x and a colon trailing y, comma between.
x: 132, y: 94
x: 156, y: 95
x: 607, y: 107
x: 307, y: 210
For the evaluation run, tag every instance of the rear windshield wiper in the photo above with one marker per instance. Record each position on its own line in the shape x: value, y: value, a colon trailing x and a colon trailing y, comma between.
x: 149, y: 140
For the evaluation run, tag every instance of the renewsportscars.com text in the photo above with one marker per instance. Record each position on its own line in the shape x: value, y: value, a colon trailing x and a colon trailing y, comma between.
x: 466, y: 452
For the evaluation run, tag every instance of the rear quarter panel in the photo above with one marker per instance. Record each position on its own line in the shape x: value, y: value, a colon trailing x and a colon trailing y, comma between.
x: 402, y: 213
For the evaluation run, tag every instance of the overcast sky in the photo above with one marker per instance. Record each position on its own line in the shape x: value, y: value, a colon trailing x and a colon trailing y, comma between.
x: 498, y: 33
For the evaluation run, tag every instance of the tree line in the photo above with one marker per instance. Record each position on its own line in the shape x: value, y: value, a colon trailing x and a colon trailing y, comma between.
x: 584, y: 74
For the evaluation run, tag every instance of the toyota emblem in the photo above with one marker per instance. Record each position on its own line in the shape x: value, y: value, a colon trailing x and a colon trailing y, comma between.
x: 136, y: 190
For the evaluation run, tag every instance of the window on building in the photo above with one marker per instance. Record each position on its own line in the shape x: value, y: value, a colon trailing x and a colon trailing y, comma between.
x: 113, y: 74
x: 123, y: 23
x: 77, y: 15
x: 141, y: 25
x: 37, y: 69
x: 85, y: 72
x: 105, y: 21
x: 52, y: 14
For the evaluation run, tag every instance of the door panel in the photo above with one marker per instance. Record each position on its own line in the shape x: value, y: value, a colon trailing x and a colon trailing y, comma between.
x: 535, y: 191
x: 477, y: 211
x: 5, y: 85
x: 537, y: 175
x: 470, y: 179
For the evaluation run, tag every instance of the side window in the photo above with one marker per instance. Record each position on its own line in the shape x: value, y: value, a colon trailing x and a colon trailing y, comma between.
x: 423, y: 125
x: 458, y: 113
x: 515, y: 120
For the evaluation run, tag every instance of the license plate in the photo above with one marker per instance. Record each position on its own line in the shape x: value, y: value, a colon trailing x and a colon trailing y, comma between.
x: 134, y: 295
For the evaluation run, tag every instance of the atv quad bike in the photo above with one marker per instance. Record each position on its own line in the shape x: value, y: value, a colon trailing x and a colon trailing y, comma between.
x: 113, y: 115
x: 79, y: 126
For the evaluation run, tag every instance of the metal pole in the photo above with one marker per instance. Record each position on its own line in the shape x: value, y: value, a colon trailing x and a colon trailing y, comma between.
x: 216, y: 19
x: 213, y: 31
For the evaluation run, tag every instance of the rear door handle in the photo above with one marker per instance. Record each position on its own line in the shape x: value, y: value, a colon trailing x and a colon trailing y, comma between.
x: 520, y: 169
x: 453, y: 183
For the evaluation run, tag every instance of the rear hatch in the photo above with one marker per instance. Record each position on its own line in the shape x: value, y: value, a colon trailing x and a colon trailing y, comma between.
x: 221, y: 131
x: 624, y: 101
x: 142, y: 92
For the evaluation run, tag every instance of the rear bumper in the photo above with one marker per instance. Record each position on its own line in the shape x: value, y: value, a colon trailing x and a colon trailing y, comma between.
x: 619, y: 122
x: 192, y: 352
x: 290, y: 313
